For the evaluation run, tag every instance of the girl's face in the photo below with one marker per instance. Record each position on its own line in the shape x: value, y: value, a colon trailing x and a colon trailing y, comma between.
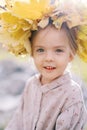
x: 51, y: 53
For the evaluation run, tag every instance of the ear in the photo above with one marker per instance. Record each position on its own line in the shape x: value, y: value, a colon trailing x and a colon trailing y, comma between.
x: 71, y: 57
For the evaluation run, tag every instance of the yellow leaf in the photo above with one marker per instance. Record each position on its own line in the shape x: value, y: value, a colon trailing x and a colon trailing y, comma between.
x: 7, y: 17
x: 32, y: 10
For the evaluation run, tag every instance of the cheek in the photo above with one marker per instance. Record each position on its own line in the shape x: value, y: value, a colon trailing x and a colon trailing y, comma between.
x: 62, y: 62
x: 37, y: 61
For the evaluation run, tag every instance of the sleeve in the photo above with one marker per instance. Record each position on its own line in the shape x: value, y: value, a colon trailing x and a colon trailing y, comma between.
x: 16, y: 122
x: 73, y: 118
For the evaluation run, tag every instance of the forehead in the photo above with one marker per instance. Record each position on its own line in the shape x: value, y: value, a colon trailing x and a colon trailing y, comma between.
x: 50, y: 35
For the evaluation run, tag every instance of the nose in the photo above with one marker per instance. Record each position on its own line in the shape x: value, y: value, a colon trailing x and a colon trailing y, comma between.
x: 49, y: 56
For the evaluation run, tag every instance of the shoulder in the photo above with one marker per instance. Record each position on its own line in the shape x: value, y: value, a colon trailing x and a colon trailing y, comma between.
x: 74, y: 94
x: 69, y: 84
x: 72, y: 88
x: 32, y: 81
x: 75, y: 89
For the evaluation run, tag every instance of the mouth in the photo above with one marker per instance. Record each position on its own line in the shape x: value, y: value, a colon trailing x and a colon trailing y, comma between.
x: 49, y: 68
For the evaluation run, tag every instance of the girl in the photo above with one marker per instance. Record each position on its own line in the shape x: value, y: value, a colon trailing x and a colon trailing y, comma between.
x: 51, y: 99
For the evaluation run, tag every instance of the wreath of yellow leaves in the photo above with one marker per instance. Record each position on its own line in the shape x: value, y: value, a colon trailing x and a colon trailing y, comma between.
x: 18, y: 18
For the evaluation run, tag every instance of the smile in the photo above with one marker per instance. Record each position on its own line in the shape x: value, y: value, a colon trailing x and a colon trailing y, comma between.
x: 50, y: 68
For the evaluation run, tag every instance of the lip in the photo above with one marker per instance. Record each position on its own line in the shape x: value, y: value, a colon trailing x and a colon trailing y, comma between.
x: 49, y: 68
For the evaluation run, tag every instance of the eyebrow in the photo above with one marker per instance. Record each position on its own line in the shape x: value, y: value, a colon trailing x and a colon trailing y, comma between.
x: 60, y: 46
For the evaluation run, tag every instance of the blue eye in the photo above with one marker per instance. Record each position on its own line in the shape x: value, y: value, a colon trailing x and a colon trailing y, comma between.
x: 40, y: 50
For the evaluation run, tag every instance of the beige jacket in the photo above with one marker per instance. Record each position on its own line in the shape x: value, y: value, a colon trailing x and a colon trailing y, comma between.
x: 55, y: 106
